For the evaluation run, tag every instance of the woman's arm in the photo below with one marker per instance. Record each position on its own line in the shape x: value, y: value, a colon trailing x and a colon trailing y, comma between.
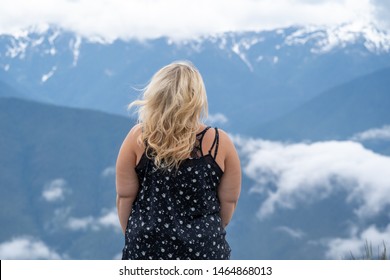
x: 230, y: 186
x: 126, y: 177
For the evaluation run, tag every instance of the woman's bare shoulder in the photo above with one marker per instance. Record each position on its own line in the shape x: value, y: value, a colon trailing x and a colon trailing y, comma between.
x: 225, y: 139
x: 133, y: 134
x: 136, y: 129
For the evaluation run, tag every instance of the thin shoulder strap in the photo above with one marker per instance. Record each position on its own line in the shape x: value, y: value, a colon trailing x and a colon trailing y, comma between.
x: 198, y: 144
x: 216, y: 142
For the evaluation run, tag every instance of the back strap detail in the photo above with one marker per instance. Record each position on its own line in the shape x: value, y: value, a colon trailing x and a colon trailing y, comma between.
x: 216, y: 141
x: 203, y: 131
x: 197, y: 149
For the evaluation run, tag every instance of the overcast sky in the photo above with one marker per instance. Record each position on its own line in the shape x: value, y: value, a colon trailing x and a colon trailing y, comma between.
x: 111, y: 19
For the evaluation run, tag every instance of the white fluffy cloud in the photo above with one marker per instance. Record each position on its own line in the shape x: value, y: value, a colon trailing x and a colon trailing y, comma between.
x: 177, y: 19
x: 54, y: 190
x: 309, y: 172
x: 382, y: 133
x: 341, y: 248
x: 217, y: 118
x: 81, y: 223
x: 26, y: 248
x: 108, y: 219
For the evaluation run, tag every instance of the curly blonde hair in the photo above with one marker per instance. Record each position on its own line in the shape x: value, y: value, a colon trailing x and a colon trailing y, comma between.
x: 170, y: 113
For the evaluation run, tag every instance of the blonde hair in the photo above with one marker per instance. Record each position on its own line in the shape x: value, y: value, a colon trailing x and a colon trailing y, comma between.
x: 173, y: 104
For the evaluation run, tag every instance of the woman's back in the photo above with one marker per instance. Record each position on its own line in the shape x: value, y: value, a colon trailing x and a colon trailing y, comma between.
x: 177, y: 181
x: 176, y: 213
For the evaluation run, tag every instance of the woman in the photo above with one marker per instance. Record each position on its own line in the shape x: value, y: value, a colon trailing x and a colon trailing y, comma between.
x: 177, y: 180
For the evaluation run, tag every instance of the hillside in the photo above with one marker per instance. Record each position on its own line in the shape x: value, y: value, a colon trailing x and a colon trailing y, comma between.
x: 338, y: 113
x: 54, y: 163
x: 8, y: 91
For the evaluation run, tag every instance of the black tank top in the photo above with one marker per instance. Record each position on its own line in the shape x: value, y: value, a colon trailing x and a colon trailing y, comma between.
x: 176, y: 213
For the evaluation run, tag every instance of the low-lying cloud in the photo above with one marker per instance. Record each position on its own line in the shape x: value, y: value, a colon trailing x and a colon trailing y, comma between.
x: 382, y: 133
x: 108, y: 219
x: 217, y: 118
x: 293, y: 233
x: 55, y: 190
x: 374, y: 237
x: 108, y: 171
x: 294, y: 173
x: 27, y: 248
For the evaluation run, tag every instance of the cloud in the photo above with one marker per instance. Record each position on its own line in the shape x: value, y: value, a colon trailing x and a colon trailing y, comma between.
x: 217, y: 118
x: 382, y: 11
x: 109, y: 171
x: 294, y: 233
x: 293, y: 173
x: 324, y: 40
x: 62, y: 218
x: 178, y: 19
x: 341, y: 248
x: 55, y: 190
x: 80, y: 223
x: 108, y: 219
x: 59, y: 218
x: 382, y: 133
x: 27, y: 248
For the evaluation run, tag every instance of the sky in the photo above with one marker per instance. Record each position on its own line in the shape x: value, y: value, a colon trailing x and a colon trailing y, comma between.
x: 182, y: 19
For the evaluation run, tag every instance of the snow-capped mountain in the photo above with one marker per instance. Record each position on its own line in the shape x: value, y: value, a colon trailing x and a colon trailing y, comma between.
x: 262, y: 74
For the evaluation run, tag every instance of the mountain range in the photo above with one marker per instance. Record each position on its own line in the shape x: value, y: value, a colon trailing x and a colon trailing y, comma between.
x: 249, y: 76
x: 63, y: 117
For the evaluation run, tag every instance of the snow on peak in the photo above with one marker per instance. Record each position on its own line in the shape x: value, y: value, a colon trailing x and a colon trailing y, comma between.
x: 324, y: 40
x: 48, y: 42
x: 17, y: 48
x: 74, y: 45
x: 236, y: 49
x: 48, y: 75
